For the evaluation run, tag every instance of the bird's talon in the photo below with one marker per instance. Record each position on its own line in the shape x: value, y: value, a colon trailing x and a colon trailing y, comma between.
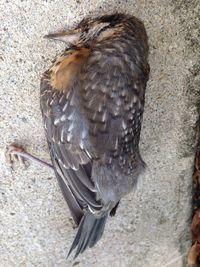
x: 72, y: 222
x: 13, y: 155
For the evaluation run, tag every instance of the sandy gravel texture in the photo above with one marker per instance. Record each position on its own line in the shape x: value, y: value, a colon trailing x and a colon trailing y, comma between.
x: 151, y: 227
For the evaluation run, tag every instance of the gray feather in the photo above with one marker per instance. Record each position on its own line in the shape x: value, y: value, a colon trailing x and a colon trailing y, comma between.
x: 89, y: 232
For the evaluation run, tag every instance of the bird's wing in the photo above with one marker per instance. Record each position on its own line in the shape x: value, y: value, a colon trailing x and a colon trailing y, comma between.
x: 66, y: 134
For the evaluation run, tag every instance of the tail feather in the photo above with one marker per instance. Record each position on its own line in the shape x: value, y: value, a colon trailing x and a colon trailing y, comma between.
x: 89, y: 232
x: 97, y: 231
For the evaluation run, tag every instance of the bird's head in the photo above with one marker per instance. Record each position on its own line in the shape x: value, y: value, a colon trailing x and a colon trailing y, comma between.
x: 90, y: 30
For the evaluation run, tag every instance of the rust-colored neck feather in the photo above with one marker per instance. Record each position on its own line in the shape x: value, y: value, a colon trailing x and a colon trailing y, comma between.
x: 67, y: 67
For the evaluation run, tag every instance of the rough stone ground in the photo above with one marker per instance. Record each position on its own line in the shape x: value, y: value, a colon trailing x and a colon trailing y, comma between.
x: 151, y: 227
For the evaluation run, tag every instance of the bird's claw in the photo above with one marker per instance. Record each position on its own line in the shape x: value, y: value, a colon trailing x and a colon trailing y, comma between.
x: 14, y: 153
x: 72, y: 222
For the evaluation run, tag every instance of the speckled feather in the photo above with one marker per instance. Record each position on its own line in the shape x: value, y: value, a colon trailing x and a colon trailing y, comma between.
x: 92, y: 101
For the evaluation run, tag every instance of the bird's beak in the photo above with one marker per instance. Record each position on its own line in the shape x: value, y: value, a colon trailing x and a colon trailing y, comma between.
x: 70, y: 36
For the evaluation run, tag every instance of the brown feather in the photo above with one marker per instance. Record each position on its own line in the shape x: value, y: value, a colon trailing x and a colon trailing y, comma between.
x: 66, y: 68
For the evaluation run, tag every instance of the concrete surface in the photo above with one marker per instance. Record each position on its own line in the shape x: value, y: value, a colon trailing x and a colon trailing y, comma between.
x: 152, y: 226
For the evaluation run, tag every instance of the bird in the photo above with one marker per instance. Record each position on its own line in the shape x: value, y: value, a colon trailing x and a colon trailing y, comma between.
x: 92, y: 101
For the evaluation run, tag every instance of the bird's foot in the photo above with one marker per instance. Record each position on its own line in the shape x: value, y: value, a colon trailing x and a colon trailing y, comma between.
x: 15, y: 153
x: 18, y: 153
x: 73, y: 224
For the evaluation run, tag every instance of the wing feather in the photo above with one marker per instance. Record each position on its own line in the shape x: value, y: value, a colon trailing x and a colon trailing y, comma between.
x: 72, y: 163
